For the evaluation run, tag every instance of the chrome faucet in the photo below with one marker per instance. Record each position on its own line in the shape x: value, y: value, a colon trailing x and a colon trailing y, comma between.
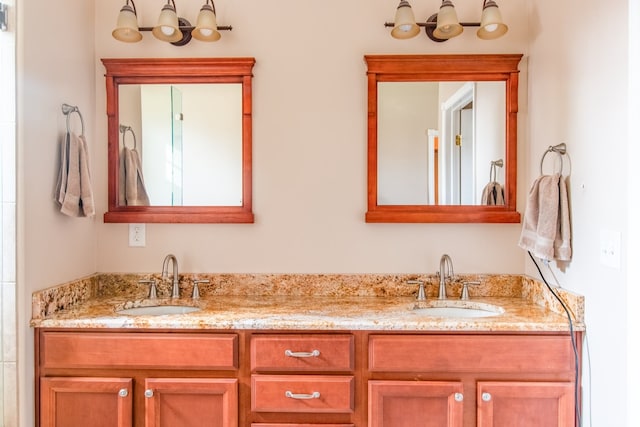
x: 175, y: 289
x: 446, y: 272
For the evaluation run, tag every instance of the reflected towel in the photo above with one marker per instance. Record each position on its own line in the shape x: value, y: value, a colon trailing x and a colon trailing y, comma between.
x: 74, y: 192
x: 493, y: 194
x: 135, y: 193
x: 546, y: 228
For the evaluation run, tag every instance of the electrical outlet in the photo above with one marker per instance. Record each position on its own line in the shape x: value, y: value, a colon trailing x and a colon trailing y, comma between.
x: 610, y: 248
x: 137, y: 235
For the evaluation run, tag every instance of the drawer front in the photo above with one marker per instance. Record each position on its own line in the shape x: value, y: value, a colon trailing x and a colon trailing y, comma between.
x: 471, y: 353
x: 302, y: 393
x: 302, y: 353
x: 139, y: 350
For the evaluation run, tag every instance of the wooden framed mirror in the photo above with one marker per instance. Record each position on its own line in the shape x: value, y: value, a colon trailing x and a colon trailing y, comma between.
x: 442, y: 138
x: 179, y: 140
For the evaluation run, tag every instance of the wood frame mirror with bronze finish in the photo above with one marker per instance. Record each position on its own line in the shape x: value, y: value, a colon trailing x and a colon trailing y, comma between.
x: 443, y: 68
x: 132, y: 71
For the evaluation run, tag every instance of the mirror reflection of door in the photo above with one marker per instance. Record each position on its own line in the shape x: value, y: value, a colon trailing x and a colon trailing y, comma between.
x: 176, y: 147
x: 464, y: 124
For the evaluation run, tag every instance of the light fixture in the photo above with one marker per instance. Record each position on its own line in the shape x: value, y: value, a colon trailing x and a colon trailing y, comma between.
x: 491, y: 25
x: 170, y: 27
x: 444, y: 25
x: 447, y: 22
x: 405, y: 25
x: 206, y: 28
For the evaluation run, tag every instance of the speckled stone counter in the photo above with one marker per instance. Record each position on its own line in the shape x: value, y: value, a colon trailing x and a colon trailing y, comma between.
x: 305, y: 302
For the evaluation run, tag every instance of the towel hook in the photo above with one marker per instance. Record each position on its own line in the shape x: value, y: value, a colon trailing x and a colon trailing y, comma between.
x: 123, y: 131
x: 67, y: 110
x: 560, y: 150
x: 493, y: 171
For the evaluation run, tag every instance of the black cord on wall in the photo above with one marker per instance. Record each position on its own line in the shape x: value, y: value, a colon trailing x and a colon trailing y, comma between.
x: 573, y: 343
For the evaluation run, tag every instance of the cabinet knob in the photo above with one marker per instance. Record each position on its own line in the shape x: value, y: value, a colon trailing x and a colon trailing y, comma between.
x: 459, y: 397
x: 302, y: 396
x: 148, y: 393
x: 314, y: 353
x: 123, y: 392
x: 486, y: 397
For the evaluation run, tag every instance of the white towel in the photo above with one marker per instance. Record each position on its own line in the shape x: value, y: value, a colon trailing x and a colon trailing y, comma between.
x: 135, y: 193
x: 546, y: 228
x: 493, y: 194
x: 74, y: 193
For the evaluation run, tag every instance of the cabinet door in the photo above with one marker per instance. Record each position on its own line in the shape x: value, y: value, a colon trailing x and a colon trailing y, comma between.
x: 415, y: 404
x: 193, y: 402
x: 526, y: 404
x: 82, y: 402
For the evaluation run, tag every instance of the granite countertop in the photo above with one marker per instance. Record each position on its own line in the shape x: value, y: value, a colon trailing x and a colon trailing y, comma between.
x: 526, y: 309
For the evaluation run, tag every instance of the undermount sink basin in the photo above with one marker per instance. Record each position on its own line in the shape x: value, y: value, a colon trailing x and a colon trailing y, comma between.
x: 158, y: 310
x: 458, y: 309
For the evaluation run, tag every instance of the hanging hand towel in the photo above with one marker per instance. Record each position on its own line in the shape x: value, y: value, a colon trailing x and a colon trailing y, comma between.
x: 75, y: 194
x: 493, y: 194
x: 134, y: 190
x: 546, y: 225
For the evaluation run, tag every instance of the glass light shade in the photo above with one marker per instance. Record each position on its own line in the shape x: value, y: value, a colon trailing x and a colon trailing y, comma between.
x: 448, y: 25
x: 405, y: 25
x: 127, y: 26
x: 491, y: 25
x: 167, y: 28
x: 206, y: 29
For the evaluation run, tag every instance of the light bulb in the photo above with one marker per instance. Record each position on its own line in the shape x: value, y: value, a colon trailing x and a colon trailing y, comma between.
x: 491, y: 27
x: 206, y: 32
x: 166, y: 30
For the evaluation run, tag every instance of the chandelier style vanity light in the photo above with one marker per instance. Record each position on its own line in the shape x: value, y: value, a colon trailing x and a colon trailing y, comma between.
x: 170, y: 27
x: 444, y: 25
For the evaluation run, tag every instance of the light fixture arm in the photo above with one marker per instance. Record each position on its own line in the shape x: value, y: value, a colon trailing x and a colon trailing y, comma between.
x: 492, y: 29
x: 431, y: 25
x: 130, y: 31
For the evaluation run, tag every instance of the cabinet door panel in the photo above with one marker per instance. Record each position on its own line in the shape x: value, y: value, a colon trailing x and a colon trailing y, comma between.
x: 526, y: 404
x: 84, y: 401
x: 415, y: 404
x: 193, y: 402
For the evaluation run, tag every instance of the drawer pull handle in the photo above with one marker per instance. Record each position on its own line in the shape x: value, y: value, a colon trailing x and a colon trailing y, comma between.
x: 459, y: 397
x: 123, y: 392
x: 148, y: 393
x: 314, y: 395
x: 486, y: 397
x: 314, y: 353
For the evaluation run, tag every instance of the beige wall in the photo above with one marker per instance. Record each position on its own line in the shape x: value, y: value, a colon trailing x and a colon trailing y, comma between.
x: 309, y: 146
x: 578, y: 84
x: 310, y: 151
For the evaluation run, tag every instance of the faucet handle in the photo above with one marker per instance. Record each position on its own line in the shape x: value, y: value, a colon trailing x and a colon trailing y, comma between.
x: 153, y: 289
x: 464, y: 295
x: 421, y: 293
x: 196, y: 290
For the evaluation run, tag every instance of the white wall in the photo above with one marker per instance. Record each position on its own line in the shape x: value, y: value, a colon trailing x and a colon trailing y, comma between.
x: 578, y: 82
x: 55, y: 66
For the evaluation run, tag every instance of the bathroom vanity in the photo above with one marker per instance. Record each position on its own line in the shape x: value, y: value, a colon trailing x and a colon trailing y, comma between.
x: 295, y: 360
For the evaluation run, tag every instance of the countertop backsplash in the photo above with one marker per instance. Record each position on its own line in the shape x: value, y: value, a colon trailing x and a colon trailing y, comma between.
x: 50, y: 301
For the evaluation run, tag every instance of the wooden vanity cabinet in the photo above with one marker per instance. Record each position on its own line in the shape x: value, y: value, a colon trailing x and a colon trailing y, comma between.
x: 302, y: 379
x: 109, y: 379
x: 479, y: 380
x: 116, y: 378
